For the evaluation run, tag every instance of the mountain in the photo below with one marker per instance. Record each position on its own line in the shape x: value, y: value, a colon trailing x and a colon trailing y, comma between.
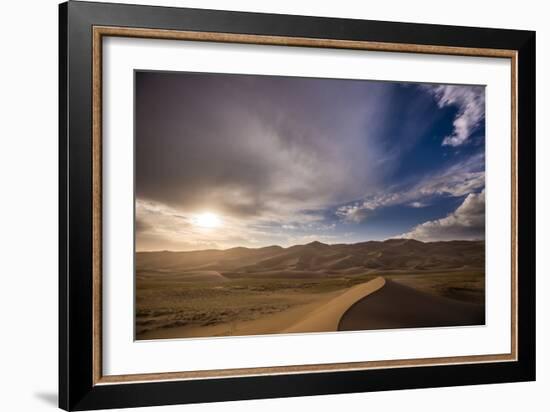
x: 319, y: 259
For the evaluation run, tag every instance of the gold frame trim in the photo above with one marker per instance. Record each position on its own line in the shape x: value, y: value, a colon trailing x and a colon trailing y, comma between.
x: 100, y: 31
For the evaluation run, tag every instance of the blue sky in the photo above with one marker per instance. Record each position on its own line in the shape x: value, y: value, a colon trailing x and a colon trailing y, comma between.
x: 242, y: 160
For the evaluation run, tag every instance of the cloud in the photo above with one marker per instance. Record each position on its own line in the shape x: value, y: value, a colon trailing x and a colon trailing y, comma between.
x: 418, y: 205
x: 159, y: 227
x: 467, y: 222
x: 470, y: 102
x: 353, y: 213
x: 273, y: 157
x: 255, y: 146
x: 162, y: 227
x: 457, y: 180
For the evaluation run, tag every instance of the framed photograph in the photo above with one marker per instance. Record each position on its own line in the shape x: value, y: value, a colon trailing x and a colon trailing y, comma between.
x: 257, y: 205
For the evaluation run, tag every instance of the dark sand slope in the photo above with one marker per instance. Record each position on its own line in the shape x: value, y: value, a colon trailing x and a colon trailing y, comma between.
x: 398, y: 306
x: 327, y: 317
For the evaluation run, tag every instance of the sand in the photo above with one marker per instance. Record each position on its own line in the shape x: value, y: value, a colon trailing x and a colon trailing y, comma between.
x: 376, y: 304
x: 308, y: 288
x: 267, y: 324
x: 399, y: 306
x: 322, y: 315
x: 327, y: 317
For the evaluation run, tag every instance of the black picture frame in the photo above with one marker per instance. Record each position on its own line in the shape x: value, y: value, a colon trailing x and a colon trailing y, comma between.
x: 77, y: 390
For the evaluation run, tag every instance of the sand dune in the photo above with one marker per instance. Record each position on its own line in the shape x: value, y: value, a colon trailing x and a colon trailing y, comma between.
x: 327, y: 317
x: 266, y: 324
x: 398, y: 306
x: 377, y: 304
x: 309, y: 288
x: 317, y: 258
x: 385, y: 304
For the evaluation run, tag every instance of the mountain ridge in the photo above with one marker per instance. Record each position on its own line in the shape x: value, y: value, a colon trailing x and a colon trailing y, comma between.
x: 313, y: 243
x: 320, y: 259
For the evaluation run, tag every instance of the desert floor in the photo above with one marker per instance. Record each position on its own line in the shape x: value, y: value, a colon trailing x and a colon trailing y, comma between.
x: 172, y: 306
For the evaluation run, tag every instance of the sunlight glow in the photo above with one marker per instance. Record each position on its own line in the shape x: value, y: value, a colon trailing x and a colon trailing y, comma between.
x: 207, y: 220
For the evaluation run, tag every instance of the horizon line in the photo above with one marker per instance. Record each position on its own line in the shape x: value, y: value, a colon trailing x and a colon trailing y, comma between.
x: 306, y: 244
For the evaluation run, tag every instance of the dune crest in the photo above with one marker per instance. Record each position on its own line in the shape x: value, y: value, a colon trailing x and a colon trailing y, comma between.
x: 317, y: 259
x: 327, y: 317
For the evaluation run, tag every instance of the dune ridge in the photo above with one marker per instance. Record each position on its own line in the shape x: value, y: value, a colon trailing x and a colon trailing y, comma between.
x: 327, y: 317
x: 316, y: 287
x: 319, y: 259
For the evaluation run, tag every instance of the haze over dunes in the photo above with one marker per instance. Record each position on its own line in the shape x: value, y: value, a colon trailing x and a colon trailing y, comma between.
x: 316, y: 259
x: 311, y: 287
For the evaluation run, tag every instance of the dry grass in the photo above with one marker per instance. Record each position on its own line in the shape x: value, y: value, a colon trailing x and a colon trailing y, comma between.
x: 468, y: 286
x: 163, y: 303
x: 247, y: 291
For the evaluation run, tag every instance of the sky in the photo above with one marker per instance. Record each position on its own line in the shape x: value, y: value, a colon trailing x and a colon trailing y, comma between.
x: 230, y: 160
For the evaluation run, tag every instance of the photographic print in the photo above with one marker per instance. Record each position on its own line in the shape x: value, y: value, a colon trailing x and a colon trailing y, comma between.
x: 271, y: 204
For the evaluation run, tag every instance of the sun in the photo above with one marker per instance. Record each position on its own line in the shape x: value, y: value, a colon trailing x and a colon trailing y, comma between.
x: 207, y: 220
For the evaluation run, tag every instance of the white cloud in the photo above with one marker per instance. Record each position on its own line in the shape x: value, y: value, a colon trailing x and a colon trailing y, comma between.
x: 471, y: 109
x: 418, y: 205
x: 162, y: 227
x: 353, y: 213
x: 456, y: 181
x: 467, y: 222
